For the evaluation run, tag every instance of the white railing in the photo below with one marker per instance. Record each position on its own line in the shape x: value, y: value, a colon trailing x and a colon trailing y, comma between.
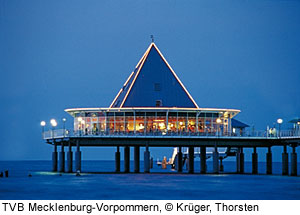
x: 57, y: 133
x: 61, y: 133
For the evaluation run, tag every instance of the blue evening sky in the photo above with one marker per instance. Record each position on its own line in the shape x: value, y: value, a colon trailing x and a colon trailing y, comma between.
x: 68, y: 53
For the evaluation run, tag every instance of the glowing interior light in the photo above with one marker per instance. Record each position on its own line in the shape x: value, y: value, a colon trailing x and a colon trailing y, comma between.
x: 79, y: 119
x: 180, y: 123
x: 162, y: 125
x: 218, y: 120
x: 192, y: 122
x: 158, y: 120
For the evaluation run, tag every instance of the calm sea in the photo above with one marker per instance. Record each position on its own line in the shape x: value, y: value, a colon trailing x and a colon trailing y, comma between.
x: 160, y: 184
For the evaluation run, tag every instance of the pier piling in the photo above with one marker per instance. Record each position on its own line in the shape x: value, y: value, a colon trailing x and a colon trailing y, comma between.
x: 70, y: 159
x: 54, y: 159
x: 62, y: 159
x: 203, y: 159
x: 179, y: 160
x: 269, y: 161
x: 216, y: 161
x: 78, y: 159
x: 147, y: 160
x: 285, y: 161
x: 126, y: 159
x: 151, y: 162
x: 294, y: 162
x: 191, y: 159
x: 221, y: 164
x: 240, y: 160
x: 254, y: 161
x: 118, y: 160
x: 136, y: 159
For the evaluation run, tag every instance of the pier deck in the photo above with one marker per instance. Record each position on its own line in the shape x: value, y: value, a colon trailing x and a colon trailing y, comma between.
x: 235, y: 145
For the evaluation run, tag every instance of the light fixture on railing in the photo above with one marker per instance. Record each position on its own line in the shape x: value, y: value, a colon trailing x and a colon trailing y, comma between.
x: 219, y: 121
x: 53, y: 122
x: 43, y: 123
x: 64, y: 122
x: 279, y: 121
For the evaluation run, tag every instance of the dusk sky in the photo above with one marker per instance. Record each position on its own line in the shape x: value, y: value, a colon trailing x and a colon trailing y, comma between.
x: 62, y: 54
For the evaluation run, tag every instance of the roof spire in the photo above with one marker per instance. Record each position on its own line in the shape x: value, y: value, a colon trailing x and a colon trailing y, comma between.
x: 152, y: 38
x: 153, y: 83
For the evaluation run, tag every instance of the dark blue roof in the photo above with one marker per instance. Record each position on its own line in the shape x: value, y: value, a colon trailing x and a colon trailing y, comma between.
x: 295, y: 120
x: 153, y: 82
x: 238, y: 124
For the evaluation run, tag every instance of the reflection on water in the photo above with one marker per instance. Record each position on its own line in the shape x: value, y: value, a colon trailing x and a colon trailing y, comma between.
x: 164, y: 184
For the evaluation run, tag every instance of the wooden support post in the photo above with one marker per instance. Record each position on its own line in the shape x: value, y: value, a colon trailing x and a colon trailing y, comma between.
x: 179, y: 160
x: 70, y: 159
x: 221, y: 165
x: 254, y: 161
x: 54, y: 158
x: 78, y: 158
x: 118, y: 160
x: 242, y: 160
x: 285, y: 161
x: 191, y: 159
x: 216, y: 161
x: 294, y: 162
x: 238, y: 162
x: 62, y: 159
x: 126, y: 159
x: 147, y: 160
x: 203, y: 159
x: 136, y: 159
x: 269, y: 161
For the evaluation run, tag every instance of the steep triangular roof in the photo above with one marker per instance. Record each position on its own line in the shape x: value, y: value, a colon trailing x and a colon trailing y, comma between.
x: 153, y: 83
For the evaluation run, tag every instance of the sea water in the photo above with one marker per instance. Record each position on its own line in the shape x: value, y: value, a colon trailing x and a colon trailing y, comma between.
x: 98, y: 181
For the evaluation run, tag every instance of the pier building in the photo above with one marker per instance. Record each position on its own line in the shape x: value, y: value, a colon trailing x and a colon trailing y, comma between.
x: 154, y: 108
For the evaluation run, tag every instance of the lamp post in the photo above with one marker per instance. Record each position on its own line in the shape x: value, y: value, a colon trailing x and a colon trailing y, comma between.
x: 83, y: 126
x: 53, y: 124
x: 279, y: 121
x: 43, y: 123
x: 64, y: 123
x: 80, y: 126
x: 218, y: 125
